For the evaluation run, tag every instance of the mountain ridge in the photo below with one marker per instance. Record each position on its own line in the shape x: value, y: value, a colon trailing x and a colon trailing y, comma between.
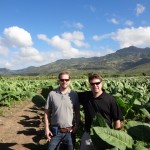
x: 123, y: 61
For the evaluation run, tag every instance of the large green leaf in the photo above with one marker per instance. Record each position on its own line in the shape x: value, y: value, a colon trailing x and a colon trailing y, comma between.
x: 140, y: 146
x: 118, y: 139
x: 145, y: 112
x: 98, y: 143
x: 139, y: 130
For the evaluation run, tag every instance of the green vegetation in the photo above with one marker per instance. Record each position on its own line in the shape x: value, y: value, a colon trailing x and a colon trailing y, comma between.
x: 15, y: 89
x: 131, y: 93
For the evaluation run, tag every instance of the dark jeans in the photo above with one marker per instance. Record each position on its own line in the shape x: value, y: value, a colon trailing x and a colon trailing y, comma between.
x: 54, y: 144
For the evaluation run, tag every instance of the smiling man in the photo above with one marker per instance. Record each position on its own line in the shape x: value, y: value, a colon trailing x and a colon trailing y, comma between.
x: 62, y: 103
x: 98, y: 101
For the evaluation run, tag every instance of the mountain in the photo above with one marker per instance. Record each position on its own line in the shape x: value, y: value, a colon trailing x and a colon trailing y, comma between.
x: 4, y: 71
x: 126, y: 61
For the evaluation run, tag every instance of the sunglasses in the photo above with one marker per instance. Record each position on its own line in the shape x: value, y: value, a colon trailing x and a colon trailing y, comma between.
x: 96, y: 83
x: 62, y: 80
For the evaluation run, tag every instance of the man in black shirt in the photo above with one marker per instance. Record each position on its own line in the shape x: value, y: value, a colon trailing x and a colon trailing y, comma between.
x: 97, y: 100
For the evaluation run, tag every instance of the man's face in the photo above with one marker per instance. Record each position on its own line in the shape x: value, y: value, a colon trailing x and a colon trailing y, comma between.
x: 96, y: 85
x: 64, y: 81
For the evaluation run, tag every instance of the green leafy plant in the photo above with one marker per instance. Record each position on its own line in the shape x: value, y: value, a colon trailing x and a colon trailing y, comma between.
x: 105, y: 138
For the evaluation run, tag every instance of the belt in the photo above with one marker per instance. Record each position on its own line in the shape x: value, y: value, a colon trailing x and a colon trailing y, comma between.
x: 64, y: 130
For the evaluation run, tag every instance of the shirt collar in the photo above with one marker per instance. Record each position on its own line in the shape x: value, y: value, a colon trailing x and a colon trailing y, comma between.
x: 99, y: 97
x: 58, y: 91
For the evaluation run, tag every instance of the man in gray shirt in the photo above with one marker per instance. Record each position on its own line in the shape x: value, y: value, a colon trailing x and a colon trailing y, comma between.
x: 63, y: 106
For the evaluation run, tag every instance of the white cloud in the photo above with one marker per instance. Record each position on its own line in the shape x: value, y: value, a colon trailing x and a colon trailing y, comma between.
x: 139, y: 9
x: 8, y: 64
x: 97, y: 38
x: 114, y: 21
x: 43, y: 37
x: 66, y: 45
x: 3, y: 51
x: 101, y: 37
x: 24, y: 58
x: 65, y: 40
x: 75, y: 37
x: 30, y: 53
x: 62, y: 46
x: 16, y: 49
x: 133, y: 36
x: 80, y: 43
x: 16, y: 36
x: 59, y: 43
x: 129, y: 22
x: 76, y: 25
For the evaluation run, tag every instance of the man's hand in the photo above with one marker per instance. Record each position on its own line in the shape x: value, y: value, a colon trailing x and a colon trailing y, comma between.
x: 118, y: 124
x: 48, y: 135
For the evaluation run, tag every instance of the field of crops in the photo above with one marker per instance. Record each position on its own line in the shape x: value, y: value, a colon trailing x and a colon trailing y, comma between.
x: 132, y: 94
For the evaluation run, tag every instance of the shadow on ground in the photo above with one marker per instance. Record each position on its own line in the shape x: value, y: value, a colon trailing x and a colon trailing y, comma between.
x: 33, y: 124
x: 6, y: 146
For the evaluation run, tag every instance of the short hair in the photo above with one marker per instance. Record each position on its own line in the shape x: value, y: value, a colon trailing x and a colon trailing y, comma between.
x: 62, y: 73
x: 94, y: 76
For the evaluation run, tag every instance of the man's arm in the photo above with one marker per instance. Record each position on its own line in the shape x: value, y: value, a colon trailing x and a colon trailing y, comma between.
x: 77, y: 115
x: 77, y: 120
x: 48, y: 133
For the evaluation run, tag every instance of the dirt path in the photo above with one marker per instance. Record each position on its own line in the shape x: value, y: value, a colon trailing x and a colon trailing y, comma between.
x: 22, y: 128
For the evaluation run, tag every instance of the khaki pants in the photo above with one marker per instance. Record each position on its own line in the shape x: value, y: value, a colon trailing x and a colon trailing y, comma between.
x: 86, y: 142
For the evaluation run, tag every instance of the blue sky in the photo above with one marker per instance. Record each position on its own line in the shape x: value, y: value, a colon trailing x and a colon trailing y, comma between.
x: 38, y: 32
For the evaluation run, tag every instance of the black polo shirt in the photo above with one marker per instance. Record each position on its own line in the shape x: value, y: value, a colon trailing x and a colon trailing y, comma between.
x: 105, y: 104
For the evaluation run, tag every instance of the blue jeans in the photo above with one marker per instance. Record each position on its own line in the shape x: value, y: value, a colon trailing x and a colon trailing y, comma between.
x: 54, y: 143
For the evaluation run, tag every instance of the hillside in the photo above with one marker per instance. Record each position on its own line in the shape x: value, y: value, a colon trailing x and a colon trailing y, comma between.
x: 131, y: 60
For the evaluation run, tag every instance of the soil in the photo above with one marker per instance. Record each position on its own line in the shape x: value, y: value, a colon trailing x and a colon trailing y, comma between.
x: 22, y: 127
